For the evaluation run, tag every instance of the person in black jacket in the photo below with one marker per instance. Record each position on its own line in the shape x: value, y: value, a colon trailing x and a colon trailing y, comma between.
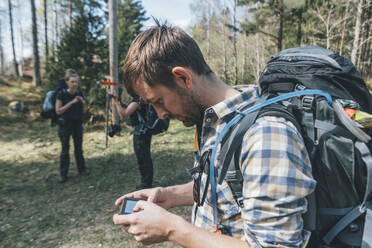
x: 70, y: 105
x: 141, y: 138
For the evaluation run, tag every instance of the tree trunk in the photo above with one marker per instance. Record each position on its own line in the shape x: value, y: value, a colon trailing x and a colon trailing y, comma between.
x: 36, y: 76
x: 366, y: 36
x: 344, y: 29
x: 1, y: 51
x: 12, y: 38
x: 280, y: 33
x: 358, y: 25
x: 257, y: 72
x: 113, y: 47
x: 208, y: 30
x: 299, y: 28
x: 46, y: 35
x: 224, y: 47
x: 368, y: 45
x: 21, y: 34
x: 328, y: 32
x: 55, y: 28
x: 69, y: 13
x: 244, y: 59
x: 235, y: 41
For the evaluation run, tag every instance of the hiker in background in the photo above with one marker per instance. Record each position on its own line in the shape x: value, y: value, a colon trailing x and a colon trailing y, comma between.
x: 70, y: 106
x: 165, y: 67
x: 138, y: 111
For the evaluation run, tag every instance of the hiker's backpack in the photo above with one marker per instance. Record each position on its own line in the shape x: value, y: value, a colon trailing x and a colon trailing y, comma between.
x: 310, y: 86
x: 48, y: 110
x: 150, y: 121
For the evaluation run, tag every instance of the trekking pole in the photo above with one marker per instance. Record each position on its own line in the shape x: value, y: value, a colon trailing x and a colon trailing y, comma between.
x: 107, y: 83
x: 106, y: 118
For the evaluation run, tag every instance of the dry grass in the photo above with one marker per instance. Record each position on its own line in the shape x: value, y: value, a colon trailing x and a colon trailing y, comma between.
x: 36, y: 211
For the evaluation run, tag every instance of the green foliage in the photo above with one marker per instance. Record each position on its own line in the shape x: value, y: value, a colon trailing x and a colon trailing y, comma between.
x: 130, y: 15
x: 37, y: 211
x: 83, y: 47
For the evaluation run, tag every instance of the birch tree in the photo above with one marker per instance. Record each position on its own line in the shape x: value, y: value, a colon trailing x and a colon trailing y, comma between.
x: 1, y: 50
x: 36, y: 71
x: 46, y: 34
x: 354, y: 50
x: 235, y: 29
x: 12, y: 38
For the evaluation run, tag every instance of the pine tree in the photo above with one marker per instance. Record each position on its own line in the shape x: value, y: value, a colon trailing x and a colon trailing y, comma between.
x: 131, y: 16
x: 83, y: 47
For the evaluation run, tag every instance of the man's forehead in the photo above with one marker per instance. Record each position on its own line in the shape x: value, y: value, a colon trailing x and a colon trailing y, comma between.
x: 143, y: 90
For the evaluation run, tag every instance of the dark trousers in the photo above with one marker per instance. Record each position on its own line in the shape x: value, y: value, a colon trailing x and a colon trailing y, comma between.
x: 142, y: 149
x: 64, y: 133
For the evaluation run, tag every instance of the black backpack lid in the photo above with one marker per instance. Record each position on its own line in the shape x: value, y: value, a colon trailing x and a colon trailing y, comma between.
x: 317, y: 71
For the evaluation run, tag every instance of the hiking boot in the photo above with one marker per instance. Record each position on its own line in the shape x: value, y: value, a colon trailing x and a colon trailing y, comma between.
x: 143, y: 186
x: 63, y: 179
x: 84, y: 173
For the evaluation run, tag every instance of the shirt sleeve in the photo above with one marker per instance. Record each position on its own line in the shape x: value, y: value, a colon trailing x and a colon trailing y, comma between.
x: 277, y: 178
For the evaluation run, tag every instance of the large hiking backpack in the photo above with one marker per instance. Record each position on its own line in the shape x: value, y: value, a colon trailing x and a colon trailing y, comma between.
x: 48, y: 110
x: 151, y: 121
x: 308, y: 87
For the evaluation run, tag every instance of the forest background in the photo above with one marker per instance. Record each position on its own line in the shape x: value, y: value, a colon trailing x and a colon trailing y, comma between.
x: 237, y: 37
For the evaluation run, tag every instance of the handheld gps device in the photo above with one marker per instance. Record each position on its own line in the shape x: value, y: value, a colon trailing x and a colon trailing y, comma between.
x: 128, y: 205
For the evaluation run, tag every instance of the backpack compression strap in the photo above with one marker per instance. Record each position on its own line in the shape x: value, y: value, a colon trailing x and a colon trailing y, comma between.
x: 235, y: 120
x: 364, y: 207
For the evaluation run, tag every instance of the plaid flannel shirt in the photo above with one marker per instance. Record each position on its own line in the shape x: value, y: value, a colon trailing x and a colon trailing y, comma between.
x: 277, y: 178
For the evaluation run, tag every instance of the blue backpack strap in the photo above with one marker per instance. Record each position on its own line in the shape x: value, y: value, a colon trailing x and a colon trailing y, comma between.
x: 230, y: 170
x: 231, y: 147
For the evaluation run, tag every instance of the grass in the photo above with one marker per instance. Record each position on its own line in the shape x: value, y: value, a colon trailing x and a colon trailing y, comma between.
x: 37, y: 211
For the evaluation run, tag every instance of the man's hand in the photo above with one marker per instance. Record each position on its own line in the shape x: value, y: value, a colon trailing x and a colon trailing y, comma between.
x: 154, y: 195
x: 151, y: 225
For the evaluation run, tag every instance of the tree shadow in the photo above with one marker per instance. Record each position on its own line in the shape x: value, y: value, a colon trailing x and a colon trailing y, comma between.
x: 4, y: 83
x: 36, y: 210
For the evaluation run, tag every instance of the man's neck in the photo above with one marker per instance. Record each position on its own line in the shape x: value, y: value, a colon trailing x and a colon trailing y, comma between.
x: 213, y: 90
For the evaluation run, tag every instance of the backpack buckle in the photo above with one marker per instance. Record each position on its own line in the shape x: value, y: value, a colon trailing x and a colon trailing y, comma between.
x: 234, y: 176
x: 307, y: 102
x: 193, y: 172
x: 240, y: 202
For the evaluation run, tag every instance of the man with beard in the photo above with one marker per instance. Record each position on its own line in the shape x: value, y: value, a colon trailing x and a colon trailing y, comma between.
x: 165, y: 67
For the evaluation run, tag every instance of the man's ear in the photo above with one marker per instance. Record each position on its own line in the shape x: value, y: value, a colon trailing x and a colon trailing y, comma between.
x: 183, y: 77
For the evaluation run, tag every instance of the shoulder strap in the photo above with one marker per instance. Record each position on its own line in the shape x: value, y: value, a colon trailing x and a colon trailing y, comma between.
x: 230, y: 170
x: 235, y: 120
x: 140, y: 118
x: 231, y: 146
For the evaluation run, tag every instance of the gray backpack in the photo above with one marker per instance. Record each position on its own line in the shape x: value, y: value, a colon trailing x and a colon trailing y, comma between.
x: 308, y: 87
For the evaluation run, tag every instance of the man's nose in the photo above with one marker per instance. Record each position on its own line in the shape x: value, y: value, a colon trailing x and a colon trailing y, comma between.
x: 162, y: 113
